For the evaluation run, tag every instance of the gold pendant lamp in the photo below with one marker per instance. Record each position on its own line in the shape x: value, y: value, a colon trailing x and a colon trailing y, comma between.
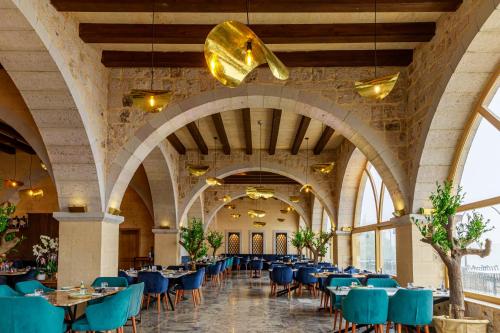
x: 13, y: 182
x: 197, y: 170
x: 32, y: 192
x: 233, y: 50
x: 259, y: 224
x: 235, y: 215
x: 256, y: 213
x: 379, y: 87
x: 214, y: 181
x: 324, y: 168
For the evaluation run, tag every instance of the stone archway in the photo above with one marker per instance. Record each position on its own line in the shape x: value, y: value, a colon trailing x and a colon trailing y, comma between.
x: 313, y: 105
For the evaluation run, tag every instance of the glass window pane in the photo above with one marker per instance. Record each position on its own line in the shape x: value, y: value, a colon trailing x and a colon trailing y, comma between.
x: 377, y: 180
x: 368, y: 214
x: 482, y: 275
x: 481, y: 178
x: 388, y: 251
x: 387, y: 206
x: 364, y: 244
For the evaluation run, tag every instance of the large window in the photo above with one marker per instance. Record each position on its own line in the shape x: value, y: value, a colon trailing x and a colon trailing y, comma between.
x: 481, y: 183
x: 374, y: 243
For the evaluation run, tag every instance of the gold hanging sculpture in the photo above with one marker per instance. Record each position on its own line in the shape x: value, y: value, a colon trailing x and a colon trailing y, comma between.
x: 324, y: 168
x: 233, y: 50
x: 377, y: 88
x: 256, y: 213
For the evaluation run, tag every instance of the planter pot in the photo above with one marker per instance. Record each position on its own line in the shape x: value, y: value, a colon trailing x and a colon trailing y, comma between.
x: 41, y: 276
x: 444, y: 324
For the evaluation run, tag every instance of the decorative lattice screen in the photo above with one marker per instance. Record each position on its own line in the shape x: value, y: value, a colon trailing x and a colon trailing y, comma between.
x: 281, y: 243
x: 258, y: 243
x: 233, y: 243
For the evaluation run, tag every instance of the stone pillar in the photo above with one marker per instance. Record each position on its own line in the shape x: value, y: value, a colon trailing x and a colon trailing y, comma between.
x: 342, y: 249
x: 167, y: 247
x: 88, y: 246
x: 416, y: 261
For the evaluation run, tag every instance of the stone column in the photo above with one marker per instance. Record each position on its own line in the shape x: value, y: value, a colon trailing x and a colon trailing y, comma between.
x: 88, y: 246
x: 416, y: 261
x: 342, y: 249
x: 167, y: 247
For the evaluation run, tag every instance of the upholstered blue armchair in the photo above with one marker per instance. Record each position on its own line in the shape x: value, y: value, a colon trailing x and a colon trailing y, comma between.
x: 236, y: 263
x: 112, y: 281
x: 29, y: 287
x: 213, y: 272
x: 155, y: 285
x: 130, y: 279
x: 281, y: 276
x: 193, y: 283
x: 6, y: 291
x: 365, y: 306
x: 304, y: 278
x: 135, y: 303
x: 411, y: 308
x: 336, y: 304
x: 382, y: 283
x: 256, y: 266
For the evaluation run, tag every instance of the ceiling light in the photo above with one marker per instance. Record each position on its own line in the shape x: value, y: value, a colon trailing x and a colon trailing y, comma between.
x: 280, y: 219
x: 377, y: 88
x: 226, y: 198
x: 259, y: 224
x: 12, y: 183
x: 284, y: 211
x: 43, y: 166
x: 230, y: 207
x: 294, y: 198
x: 114, y: 211
x: 32, y: 192
x: 197, y: 170
x: 256, y: 213
x: 214, y: 181
x: 324, y: 168
x: 306, y: 188
x: 259, y: 192
x: 235, y: 215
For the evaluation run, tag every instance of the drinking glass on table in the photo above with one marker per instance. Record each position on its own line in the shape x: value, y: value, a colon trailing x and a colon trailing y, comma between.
x: 104, y: 284
x: 38, y: 292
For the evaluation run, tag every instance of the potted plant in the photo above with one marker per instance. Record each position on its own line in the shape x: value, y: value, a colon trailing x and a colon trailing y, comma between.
x: 8, y: 238
x: 46, y: 253
x: 193, y: 241
x: 316, y: 243
x: 451, y: 238
x: 298, y: 241
x: 214, y: 238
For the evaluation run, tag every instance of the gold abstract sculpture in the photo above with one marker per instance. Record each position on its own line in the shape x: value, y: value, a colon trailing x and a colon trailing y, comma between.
x: 377, y: 88
x: 256, y: 213
x: 197, y: 170
x: 235, y: 215
x: 233, y: 50
x: 214, y: 181
x: 230, y: 207
x: 150, y: 101
x: 226, y: 198
x: 324, y: 168
x: 33, y: 192
x: 259, y: 224
x: 280, y: 219
x: 294, y: 198
x: 259, y: 192
x: 306, y: 188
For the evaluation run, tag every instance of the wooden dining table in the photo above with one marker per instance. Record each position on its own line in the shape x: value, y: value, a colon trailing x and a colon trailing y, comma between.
x: 13, y: 273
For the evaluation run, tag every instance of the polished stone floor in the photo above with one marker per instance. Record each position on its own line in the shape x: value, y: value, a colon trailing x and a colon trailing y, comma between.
x: 241, y: 305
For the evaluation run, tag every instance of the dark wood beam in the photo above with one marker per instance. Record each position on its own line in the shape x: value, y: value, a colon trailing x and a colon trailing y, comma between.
x: 269, y: 33
x: 7, y: 149
x: 274, y: 131
x: 336, y: 58
x: 247, y: 129
x: 176, y: 143
x: 15, y: 143
x: 301, y: 132
x: 221, y: 132
x: 323, y: 140
x: 254, y: 177
x: 259, y: 6
x: 198, y: 139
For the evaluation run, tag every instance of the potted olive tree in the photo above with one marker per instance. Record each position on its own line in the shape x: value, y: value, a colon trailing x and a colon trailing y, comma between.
x: 193, y: 240
x: 214, y: 238
x: 298, y: 242
x: 316, y: 243
x: 452, y: 238
x: 8, y: 238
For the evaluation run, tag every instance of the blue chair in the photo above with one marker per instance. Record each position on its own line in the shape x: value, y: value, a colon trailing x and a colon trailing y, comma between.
x: 130, y: 279
x: 336, y: 304
x: 30, y: 314
x: 29, y: 287
x: 108, y: 315
x: 382, y: 283
x: 6, y: 291
x: 29, y: 276
x: 256, y: 266
x: 154, y: 285
x: 364, y: 281
x: 213, y: 272
x: 281, y: 276
x: 411, y: 308
x: 191, y: 282
x: 236, y: 263
x: 365, y: 306
x: 304, y: 278
x: 112, y: 281
x: 135, y: 303
x: 245, y: 262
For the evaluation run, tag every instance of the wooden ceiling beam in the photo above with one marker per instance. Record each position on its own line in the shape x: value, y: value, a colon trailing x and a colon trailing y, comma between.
x: 269, y: 33
x: 323, y: 140
x: 335, y: 58
x: 17, y: 144
x: 197, y: 137
x: 176, y: 143
x: 256, y: 6
x: 221, y: 132
x: 301, y: 132
x: 275, y: 127
x: 247, y: 128
x: 7, y: 149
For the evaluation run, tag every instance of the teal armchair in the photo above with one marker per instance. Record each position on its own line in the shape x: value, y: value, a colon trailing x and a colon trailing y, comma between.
x: 411, y: 308
x: 6, y: 291
x: 365, y: 306
x: 29, y: 287
x: 110, y: 314
x: 336, y: 304
x: 383, y: 283
x: 112, y: 281
x: 30, y: 314
x: 135, y: 303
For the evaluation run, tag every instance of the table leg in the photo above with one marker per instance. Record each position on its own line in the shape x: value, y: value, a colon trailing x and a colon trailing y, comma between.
x: 170, y: 301
x: 285, y: 291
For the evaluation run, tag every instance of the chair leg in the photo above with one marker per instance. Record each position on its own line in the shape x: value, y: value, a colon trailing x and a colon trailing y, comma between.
x: 289, y: 291
x: 398, y: 328
x: 177, y: 293
x: 388, y: 327
x: 347, y: 327
x: 158, y: 300
x: 134, y: 325
x: 426, y: 328
x: 165, y: 300
x: 194, y: 297
x: 418, y: 329
x: 147, y: 303
x: 353, y: 328
x: 335, y: 319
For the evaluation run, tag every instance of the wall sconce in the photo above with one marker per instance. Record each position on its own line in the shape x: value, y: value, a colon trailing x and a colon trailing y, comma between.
x: 77, y: 208
x: 114, y: 211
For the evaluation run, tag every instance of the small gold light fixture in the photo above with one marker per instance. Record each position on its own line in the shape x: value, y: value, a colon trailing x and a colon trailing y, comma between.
x: 324, y: 168
x: 197, y: 170
x: 256, y: 213
x: 13, y: 182
x: 259, y: 192
x: 114, y: 211
x: 346, y: 229
x: 294, y: 198
x: 226, y: 198
x: 230, y: 207
x: 214, y: 181
x: 43, y: 166
x: 306, y: 188
x: 235, y: 215
x: 259, y: 224
x: 280, y: 219
x: 34, y: 193
x: 284, y: 211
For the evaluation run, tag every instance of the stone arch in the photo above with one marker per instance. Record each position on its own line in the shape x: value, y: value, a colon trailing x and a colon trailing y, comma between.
x: 281, y: 196
x: 350, y: 187
x: 66, y: 93
x: 256, y: 96
x: 474, y: 58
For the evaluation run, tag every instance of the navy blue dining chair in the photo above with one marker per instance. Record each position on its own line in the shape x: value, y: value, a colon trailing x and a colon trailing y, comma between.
x: 304, y: 278
x: 130, y: 279
x: 155, y: 285
x: 256, y: 266
x: 281, y: 276
x: 213, y: 272
x: 236, y: 263
x: 191, y: 282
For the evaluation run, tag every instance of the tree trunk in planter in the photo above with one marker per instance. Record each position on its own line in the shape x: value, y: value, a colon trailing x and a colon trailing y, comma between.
x: 193, y: 264
x: 457, y: 303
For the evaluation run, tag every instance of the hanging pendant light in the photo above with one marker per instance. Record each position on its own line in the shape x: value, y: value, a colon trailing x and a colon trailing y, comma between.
x: 214, y: 181
x: 294, y: 198
x: 226, y: 198
x: 233, y: 50
x: 259, y: 192
x: 31, y: 191
x: 259, y: 224
x: 230, y: 207
x: 378, y: 87
x: 197, y: 170
x: 13, y: 182
x: 235, y: 215
x: 256, y: 213
x: 148, y: 100
x: 324, y: 168
x: 280, y: 219
x: 306, y: 188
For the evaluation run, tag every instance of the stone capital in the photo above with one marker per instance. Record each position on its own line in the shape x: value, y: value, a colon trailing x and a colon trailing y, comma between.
x: 88, y: 217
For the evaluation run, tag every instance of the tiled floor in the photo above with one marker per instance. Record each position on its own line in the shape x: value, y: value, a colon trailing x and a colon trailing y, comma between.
x: 240, y: 305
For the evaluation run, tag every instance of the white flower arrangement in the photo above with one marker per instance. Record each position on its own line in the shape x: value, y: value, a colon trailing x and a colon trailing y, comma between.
x: 46, y: 253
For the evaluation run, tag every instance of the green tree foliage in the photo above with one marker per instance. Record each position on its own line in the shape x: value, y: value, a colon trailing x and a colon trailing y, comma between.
x: 215, y: 238
x: 298, y: 241
x: 193, y: 240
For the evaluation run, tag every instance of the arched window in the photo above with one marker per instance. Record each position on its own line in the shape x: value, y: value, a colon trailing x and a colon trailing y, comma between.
x: 480, y: 181
x: 374, y: 240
